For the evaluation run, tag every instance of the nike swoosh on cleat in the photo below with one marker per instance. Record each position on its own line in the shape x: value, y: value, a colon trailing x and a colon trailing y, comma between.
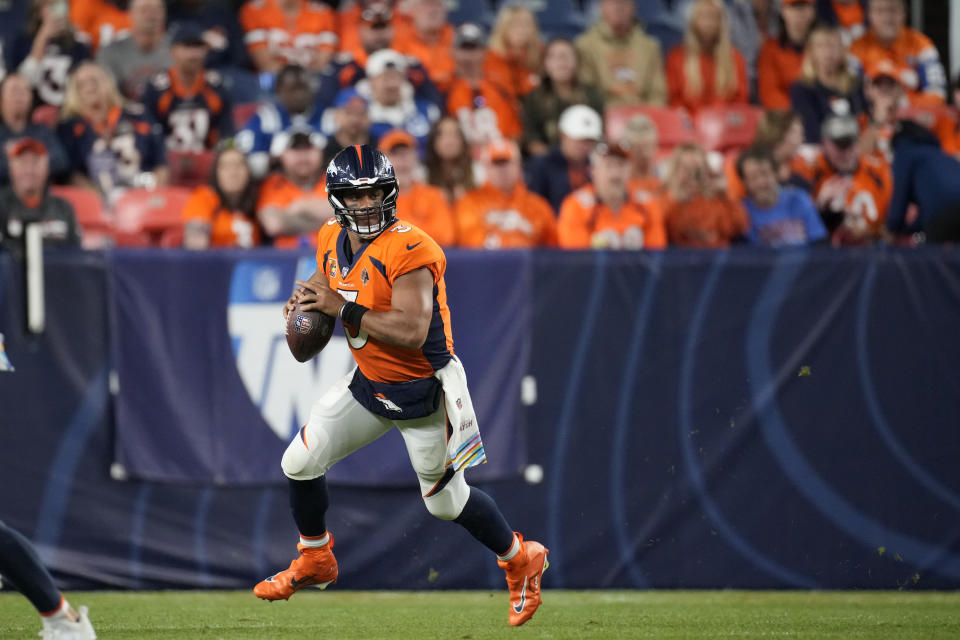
x: 518, y: 606
x: 296, y: 584
x: 411, y: 247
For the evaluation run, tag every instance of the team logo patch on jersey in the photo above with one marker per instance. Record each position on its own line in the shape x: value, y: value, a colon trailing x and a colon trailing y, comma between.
x: 364, y: 276
x: 386, y: 402
x: 333, y: 268
x: 459, y: 403
x: 303, y: 324
x: 344, y: 271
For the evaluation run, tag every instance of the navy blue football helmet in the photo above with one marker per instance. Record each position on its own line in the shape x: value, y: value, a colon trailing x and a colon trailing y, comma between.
x: 356, y: 169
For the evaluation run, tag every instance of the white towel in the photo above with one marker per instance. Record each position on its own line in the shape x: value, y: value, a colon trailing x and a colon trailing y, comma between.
x: 464, y: 447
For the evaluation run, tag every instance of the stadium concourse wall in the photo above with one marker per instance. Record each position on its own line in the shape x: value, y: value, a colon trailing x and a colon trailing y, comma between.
x: 742, y: 419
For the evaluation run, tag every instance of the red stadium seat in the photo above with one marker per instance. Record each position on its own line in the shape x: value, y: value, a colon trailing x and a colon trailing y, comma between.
x: 674, y: 125
x: 45, y: 114
x: 724, y: 128
x: 243, y: 112
x: 149, y: 211
x: 189, y: 169
x: 90, y: 213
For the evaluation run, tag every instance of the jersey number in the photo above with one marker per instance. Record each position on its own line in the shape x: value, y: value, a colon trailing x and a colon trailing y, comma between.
x: 360, y: 340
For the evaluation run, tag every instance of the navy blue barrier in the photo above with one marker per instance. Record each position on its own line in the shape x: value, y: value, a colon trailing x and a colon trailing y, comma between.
x: 742, y: 419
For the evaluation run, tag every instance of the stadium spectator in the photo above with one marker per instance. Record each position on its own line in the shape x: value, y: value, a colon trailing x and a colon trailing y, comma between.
x: 515, y: 54
x: 392, y: 102
x: 189, y: 102
x: 826, y: 86
x: 47, y: 50
x: 559, y: 88
x: 220, y: 29
x: 503, y: 213
x: 566, y: 166
x: 696, y: 212
x: 28, y: 201
x: 706, y: 70
x: 294, y: 107
x: 429, y: 39
x: 293, y: 203
x: 620, y: 59
x: 767, y: 18
x: 15, y: 122
x: 447, y: 159
x: 485, y: 112
x: 745, y: 31
x: 282, y: 32
x: 223, y: 213
x: 137, y: 57
x: 780, y: 216
x: 366, y: 21
x: 927, y: 178
x: 352, y: 124
x: 374, y: 32
x: 782, y: 132
x: 102, y: 21
x: 851, y: 189
x: 848, y: 16
x: 602, y: 215
x: 781, y: 58
x: 110, y: 147
x: 423, y: 205
x: 889, y: 38
x: 640, y: 138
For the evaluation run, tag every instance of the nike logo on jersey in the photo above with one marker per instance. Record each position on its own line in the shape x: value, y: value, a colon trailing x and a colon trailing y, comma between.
x: 410, y: 247
x: 518, y: 606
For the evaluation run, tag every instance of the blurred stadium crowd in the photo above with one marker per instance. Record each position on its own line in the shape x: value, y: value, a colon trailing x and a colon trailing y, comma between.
x: 570, y: 123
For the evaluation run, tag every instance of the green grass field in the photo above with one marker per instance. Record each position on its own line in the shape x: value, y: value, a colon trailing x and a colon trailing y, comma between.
x: 474, y: 615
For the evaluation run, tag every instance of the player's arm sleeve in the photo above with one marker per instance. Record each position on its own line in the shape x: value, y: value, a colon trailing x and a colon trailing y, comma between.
x: 572, y: 232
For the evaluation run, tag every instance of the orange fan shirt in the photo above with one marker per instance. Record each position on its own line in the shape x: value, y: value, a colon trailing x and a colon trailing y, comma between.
x: 645, y: 189
x: 679, y: 95
x: 427, y: 208
x: 367, y: 278
x: 102, y: 21
x: 266, y: 26
x: 510, y: 76
x: 488, y: 218
x: 228, y: 228
x: 437, y: 57
x: 923, y: 75
x: 867, y: 195
x: 705, y: 223
x: 349, y: 22
x: 587, y: 223
x: 850, y: 20
x: 778, y: 66
x: 278, y: 191
x: 485, y: 113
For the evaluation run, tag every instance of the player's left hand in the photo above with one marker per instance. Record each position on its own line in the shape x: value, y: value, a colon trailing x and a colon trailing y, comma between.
x: 319, y: 296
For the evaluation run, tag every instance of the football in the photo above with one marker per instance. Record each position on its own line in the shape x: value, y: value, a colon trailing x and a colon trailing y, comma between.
x: 308, y: 332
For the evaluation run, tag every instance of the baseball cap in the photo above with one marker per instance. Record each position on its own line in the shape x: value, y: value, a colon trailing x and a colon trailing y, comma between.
x: 469, y: 36
x: 396, y: 138
x: 189, y: 34
x: 298, y: 138
x: 377, y: 14
x: 348, y: 95
x: 23, y: 145
x: 883, y: 68
x: 581, y: 122
x: 841, y: 130
x: 501, y: 151
x: 380, y: 61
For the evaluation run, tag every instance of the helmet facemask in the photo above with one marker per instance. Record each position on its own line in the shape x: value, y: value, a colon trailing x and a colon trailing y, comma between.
x: 366, y: 222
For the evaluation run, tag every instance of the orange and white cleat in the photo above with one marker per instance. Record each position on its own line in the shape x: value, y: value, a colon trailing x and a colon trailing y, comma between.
x: 314, y: 567
x: 524, y: 573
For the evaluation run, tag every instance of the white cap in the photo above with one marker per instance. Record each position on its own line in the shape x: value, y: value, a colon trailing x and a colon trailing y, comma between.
x: 581, y: 122
x: 384, y: 59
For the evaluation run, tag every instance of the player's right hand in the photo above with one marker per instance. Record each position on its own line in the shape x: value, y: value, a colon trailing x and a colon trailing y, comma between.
x: 292, y: 302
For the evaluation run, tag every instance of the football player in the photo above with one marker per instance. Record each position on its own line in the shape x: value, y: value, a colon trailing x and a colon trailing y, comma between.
x: 385, y: 279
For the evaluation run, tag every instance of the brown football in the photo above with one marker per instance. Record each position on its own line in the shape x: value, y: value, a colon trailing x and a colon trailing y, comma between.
x: 308, y: 332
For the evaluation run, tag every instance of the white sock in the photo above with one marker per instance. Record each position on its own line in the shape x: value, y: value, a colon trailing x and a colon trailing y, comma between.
x: 315, y: 542
x: 514, y: 550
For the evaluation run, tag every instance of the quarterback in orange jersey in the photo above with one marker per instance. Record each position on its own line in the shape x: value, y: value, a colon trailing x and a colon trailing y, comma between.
x: 852, y: 190
x: 503, y: 213
x: 279, y: 32
x: 384, y: 278
x: 602, y: 215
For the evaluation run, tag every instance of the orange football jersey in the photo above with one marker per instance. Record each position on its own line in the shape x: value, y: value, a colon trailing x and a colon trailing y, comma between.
x: 437, y: 57
x: 867, y: 194
x: 485, y: 113
x: 923, y: 75
x: 102, y: 21
x: 489, y: 218
x: 427, y: 207
x: 586, y: 223
x: 367, y: 278
x: 265, y: 25
x: 278, y: 191
x: 778, y: 66
x: 228, y: 228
